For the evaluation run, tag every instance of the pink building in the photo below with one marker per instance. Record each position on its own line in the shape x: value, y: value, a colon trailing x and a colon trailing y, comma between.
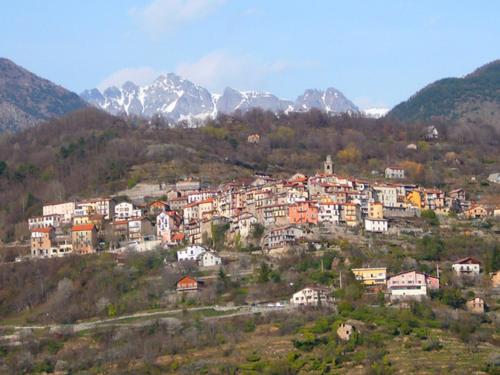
x: 411, y: 285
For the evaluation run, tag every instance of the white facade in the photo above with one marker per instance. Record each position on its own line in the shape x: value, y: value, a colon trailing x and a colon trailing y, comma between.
x: 310, y: 297
x: 53, y: 220
x: 376, y: 225
x: 209, y: 259
x: 393, y: 172
x: 464, y: 269
x: 329, y: 213
x: 101, y: 206
x: 387, y: 195
x: 66, y: 209
x: 190, y: 253
x: 125, y: 210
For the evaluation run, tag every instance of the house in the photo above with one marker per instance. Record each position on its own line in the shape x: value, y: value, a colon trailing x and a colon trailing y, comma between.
x: 139, y: 229
x: 66, y: 209
x: 371, y: 276
x: 188, y: 283
x: 394, y: 173
x: 281, y: 237
x: 45, y: 221
x: 375, y: 210
x: 475, y: 305
x: 178, y: 204
x: 244, y: 223
x: 42, y: 241
x: 345, y: 331
x: 126, y: 210
x: 350, y: 214
x: 431, y: 133
x: 84, y: 238
x: 376, y: 225
x: 303, y: 213
x: 190, y: 253
x: 467, y: 266
x: 411, y: 285
x: 329, y: 212
x: 311, y: 296
x: 253, y: 138
x: 166, y: 225
x: 209, y: 259
x: 103, y: 206
x: 386, y: 194
x: 411, y: 146
x: 475, y: 212
x: 156, y: 207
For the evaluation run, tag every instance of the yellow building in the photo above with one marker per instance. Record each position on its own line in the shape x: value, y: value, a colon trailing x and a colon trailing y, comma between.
x: 371, y: 276
x: 375, y: 210
x: 414, y: 198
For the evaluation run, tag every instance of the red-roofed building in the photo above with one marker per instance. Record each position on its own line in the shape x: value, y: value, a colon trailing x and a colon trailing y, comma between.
x: 84, y: 238
x: 188, y: 283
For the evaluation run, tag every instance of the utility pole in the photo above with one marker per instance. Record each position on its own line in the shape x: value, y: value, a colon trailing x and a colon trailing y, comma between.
x: 437, y: 270
x: 340, y: 280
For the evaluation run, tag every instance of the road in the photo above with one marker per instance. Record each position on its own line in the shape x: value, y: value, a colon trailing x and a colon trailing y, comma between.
x: 154, y: 315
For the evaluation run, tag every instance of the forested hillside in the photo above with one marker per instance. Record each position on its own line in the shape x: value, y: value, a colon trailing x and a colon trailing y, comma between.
x: 90, y: 153
x: 475, y: 97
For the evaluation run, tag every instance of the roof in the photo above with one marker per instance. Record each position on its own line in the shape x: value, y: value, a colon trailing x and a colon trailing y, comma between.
x: 82, y: 227
x: 417, y: 272
x: 467, y: 260
x: 42, y: 230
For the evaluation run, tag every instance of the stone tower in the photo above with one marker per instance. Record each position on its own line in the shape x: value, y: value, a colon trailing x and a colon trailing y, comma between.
x: 328, y: 165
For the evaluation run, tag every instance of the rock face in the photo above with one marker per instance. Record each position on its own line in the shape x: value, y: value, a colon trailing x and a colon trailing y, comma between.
x: 179, y: 99
x: 26, y: 99
x: 473, y: 98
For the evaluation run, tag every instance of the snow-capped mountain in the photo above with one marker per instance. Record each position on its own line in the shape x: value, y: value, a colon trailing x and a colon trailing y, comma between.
x: 177, y: 99
x: 375, y: 112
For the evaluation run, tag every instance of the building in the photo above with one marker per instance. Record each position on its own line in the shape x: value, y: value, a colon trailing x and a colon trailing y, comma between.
x: 139, y: 229
x: 102, y: 206
x: 475, y: 305
x: 371, y: 276
x: 329, y: 212
x: 188, y: 283
x: 84, y: 238
x: 253, y: 138
x: 375, y: 210
x: 66, y: 209
x: 190, y: 253
x: 303, y: 213
x: 126, y: 210
x: 394, y: 173
x: 281, y: 237
x: 411, y: 285
x: 311, y: 296
x: 376, y: 225
x: 42, y: 241
x: 350, y: 214
x: 494, y: 177
x: 345, y: 331
x: 209, y: 259
x: 387, y: 195
x: 475, y: 212
x: 467, y: 267
x: 328, y: 165
x: 52, y: 220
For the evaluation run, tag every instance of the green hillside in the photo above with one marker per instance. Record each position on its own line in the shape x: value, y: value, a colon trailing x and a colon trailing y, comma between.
x: 473, y: 98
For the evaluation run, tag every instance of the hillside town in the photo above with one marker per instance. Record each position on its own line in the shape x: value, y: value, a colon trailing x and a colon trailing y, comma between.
x: 281, y: 212
x: 264, y: 215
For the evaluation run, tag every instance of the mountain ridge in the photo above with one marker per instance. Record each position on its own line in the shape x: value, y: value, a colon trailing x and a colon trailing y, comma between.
x: 26, y: 99
x: 177, y: 99
x: 471, y: 98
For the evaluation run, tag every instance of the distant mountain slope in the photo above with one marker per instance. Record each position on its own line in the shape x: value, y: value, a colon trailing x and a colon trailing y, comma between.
x: 475, y: 97
x: 26, y: 99
x: 176, y: 99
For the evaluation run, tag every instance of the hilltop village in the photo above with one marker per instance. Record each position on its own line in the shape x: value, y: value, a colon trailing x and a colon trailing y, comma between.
x: 262, y: 215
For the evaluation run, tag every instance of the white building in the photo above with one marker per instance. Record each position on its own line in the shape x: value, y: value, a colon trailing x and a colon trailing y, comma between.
x: 467, y: 267
x: 329, y: 212
x: 53, y: 220
x: 67, y: 209
x: 376, y: 225
x: 411, y: 285
x: 101, y: 206
x: 126, y: 210
x: 209, y: 259
x: 387, y: 195
x: 190, y: 253
x: 394, y: 172
x: 311, y: 296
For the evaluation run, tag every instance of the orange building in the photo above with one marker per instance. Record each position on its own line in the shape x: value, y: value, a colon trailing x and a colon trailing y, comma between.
x: 84, y: 238
x: 303, y: 213
x: 42, y: 240
x: 188, y: 283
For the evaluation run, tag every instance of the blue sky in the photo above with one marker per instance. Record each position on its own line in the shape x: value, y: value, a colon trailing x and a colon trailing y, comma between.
x: 377, y: 52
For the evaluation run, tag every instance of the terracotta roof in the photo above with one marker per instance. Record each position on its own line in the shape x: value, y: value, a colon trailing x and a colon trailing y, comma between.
x: 467, y: 260
x: 82, y: 227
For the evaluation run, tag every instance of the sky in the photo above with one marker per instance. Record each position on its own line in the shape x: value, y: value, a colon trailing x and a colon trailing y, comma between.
x: 377, y: 52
